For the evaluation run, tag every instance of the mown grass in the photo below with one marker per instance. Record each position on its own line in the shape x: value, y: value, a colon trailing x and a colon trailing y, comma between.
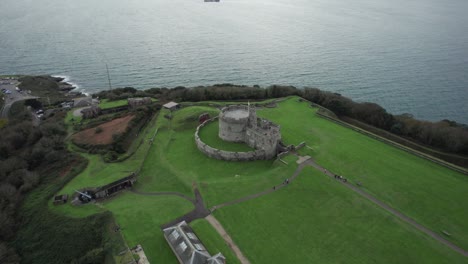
x: 317, y: 220
x: 421, y: 189
x: 106, y: 104
x: 213, y: 242
x: 174, y: 163
x: 140, y: 219
x: 209, y: 135
x: 313, y: 220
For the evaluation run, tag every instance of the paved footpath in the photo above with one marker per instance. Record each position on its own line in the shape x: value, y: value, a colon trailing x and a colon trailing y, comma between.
x: 394, y: 212
x: 217, y: 225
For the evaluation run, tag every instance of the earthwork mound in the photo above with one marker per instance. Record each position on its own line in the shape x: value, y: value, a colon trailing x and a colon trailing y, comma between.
x: 102, y: 134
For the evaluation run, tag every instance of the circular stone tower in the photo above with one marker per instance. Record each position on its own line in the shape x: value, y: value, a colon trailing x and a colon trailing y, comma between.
x: 233, y: 122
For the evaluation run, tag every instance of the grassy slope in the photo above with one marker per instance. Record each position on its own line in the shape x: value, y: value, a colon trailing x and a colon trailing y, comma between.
x: 174, y: 163
x: 212, y: 240
x: 317, y: 220
x: 425, y: 191
x: 209, y: 135
x: 99, y: 173
x: 47, y: 237
x: 140, y: 218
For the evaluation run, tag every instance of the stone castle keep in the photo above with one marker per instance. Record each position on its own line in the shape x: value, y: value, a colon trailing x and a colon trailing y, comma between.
x: 239, y: 123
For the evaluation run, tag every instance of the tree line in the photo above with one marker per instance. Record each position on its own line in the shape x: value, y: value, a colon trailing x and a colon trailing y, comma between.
x: 31, y: 159
x: 445, y: 135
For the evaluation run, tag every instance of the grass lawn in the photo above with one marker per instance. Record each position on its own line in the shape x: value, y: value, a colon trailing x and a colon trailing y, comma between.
x: 105, y: 103
x: 213, y: 242
x: 429, y: 193
x: 209, y: 135
x: 140, y: 219
x: 313, y: 220
x: 317, y: 220
x: 174, y: 163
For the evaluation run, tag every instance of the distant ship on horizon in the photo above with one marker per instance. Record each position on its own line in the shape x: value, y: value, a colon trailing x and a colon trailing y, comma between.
x: 211, y: 0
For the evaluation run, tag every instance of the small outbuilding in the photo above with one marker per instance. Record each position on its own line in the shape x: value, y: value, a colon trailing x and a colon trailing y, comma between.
x: 82, y: 101
x: 135, y: 102
x: 172, y: 106
x: 91, y: 112
x: 115, y: 187
x: 60, y: 199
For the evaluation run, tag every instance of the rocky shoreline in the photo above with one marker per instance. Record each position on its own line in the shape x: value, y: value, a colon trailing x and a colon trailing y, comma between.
x: 66, y: 87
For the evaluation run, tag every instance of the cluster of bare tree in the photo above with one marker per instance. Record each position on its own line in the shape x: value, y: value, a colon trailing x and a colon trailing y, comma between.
x: 23, y: 150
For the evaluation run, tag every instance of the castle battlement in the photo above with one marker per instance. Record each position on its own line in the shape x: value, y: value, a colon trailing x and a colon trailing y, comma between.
x: 239, y: 123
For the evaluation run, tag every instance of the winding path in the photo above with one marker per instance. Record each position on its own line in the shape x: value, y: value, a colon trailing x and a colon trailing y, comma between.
x: 220, y: 229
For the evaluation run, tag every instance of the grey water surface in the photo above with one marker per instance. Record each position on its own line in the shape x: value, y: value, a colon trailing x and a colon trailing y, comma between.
x: 407, y: 55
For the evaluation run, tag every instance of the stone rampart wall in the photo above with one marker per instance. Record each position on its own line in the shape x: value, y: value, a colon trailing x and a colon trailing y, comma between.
x: 223, y: 154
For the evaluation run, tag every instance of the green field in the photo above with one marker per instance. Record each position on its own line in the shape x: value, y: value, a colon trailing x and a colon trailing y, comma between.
x: 421, y: 189
x: 313, y: 220
x: 174, y: 163
x: 212, y: 240
x: 317, y: 220
x: 140, y: 218
x: 105, y: 103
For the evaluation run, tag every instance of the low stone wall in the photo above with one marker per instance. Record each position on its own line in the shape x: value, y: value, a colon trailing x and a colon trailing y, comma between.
x: 223, y: 154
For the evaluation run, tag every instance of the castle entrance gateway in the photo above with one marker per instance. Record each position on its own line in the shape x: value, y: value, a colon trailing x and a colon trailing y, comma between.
x: 239, y: 123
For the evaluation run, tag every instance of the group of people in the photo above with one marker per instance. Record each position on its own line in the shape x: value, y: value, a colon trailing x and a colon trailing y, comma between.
x: 341, y: 178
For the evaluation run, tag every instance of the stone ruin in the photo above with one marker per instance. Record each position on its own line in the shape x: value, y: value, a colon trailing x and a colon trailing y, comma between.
x: 239, y: 123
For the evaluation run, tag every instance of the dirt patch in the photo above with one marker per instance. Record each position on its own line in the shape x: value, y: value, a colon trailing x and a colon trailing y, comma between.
x: 102, y: 134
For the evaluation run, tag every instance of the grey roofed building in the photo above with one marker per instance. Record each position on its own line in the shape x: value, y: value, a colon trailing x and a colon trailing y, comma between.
x: 187, y: 247
x: 135, y: 102
x: 171, y: 106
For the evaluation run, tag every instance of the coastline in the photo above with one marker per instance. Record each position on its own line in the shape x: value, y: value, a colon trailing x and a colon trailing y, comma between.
x: 66, y: 80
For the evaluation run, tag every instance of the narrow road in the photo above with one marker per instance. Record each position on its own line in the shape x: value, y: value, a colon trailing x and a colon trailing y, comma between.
x: 394, y: 212
x: 220, y: 229
x: 11, y: 99
x: 199, y: 212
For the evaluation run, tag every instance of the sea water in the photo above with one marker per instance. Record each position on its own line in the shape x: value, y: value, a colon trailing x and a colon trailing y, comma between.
x: 408, y: 56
